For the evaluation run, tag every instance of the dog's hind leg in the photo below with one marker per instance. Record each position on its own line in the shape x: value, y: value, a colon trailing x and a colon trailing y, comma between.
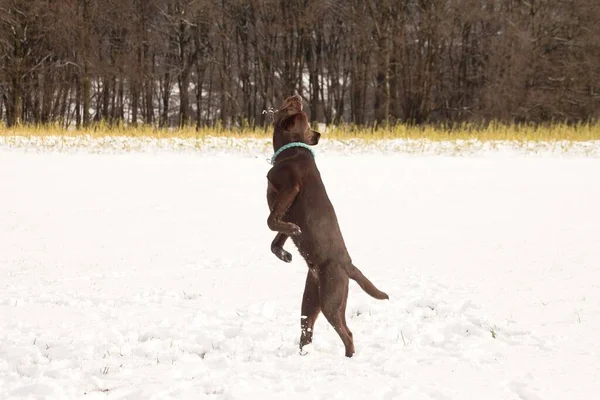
x: 277, y: 247
x: 311, y: 307
x: 334, y: 294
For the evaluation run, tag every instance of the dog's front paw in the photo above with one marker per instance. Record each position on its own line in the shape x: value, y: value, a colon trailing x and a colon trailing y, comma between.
x: 282, y: 254
x: 285, y: 256
x: 294, y: 230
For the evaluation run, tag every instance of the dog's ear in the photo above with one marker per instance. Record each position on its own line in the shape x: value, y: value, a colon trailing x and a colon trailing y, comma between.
x: 288, y: 122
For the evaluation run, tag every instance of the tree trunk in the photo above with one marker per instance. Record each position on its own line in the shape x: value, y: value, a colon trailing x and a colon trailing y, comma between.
x: 199, y: 84
x: 382, y: 94
x: 77, y: 102
x: 166, y: 96
x: 135, y: 98
x: 184, y: 98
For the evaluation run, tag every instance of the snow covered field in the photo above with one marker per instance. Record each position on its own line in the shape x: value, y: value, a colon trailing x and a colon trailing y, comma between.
x: 148, y: 275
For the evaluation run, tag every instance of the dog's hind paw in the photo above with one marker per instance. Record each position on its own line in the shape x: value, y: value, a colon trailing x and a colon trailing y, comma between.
x: 306, y: 349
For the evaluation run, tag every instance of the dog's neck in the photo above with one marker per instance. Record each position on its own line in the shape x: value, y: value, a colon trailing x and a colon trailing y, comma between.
x: 289, y: 146
x: 279, y: 142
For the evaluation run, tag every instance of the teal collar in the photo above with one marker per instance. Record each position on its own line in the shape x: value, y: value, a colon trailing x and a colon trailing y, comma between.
x: 289, y: 146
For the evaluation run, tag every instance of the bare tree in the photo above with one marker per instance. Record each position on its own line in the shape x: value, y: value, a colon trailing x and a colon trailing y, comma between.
x: 178, y: 62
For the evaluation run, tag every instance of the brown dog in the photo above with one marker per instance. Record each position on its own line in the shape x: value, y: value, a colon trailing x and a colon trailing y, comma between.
x: 300, y: 208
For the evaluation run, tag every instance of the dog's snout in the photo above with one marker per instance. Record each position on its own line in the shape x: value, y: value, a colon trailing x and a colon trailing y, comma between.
x: 315, y: 137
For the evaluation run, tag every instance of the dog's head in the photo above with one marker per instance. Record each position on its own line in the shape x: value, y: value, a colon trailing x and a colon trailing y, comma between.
x: 291, y: 124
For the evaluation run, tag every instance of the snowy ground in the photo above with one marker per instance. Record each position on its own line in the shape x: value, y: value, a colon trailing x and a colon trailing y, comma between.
x: 145, y: 275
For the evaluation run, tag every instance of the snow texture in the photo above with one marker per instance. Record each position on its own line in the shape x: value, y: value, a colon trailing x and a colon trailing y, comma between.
x: 148, y: 275
x: 253, y: 146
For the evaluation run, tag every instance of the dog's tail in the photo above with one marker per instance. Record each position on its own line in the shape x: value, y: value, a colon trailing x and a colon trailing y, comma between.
x: 366, y: 285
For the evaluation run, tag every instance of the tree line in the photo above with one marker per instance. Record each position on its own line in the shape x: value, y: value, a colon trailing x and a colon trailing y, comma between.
x: 205, y: 62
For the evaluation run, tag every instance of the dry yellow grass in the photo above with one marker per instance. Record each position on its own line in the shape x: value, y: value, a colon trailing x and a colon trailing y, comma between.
x: 492, y: 132
x: 142, y: 131
x: 496, y: 131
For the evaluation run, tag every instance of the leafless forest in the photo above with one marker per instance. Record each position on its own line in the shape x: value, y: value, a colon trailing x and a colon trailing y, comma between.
x: 206, y: 62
